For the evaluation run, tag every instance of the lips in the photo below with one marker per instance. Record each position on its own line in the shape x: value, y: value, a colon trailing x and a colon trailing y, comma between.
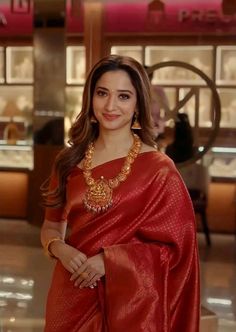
x: 110, y: 117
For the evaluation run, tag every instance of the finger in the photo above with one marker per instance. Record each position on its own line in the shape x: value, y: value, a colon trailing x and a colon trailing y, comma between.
x: 73, y: 267
x: 93, y: 281
x: 85, y: 281
x: 78, y: 272
x: 83, y: 276
x: 80, y: 259
x: 90, y: 282
x: 82, y: 268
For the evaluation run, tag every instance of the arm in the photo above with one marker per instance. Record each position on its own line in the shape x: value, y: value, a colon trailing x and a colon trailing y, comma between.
x: 70, y: 257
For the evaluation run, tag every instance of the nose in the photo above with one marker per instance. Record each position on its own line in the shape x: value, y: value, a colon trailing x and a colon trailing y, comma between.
x: 110, y: 103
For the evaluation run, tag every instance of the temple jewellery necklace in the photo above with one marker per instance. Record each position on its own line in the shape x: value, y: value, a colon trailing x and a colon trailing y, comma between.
x: 98, y: 196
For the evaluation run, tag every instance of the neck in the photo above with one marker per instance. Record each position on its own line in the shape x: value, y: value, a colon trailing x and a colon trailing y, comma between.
x: 114, y: 141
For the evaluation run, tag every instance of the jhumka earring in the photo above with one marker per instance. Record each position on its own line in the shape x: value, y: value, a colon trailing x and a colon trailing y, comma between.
x: 136, y: 124
x: 93, y: 119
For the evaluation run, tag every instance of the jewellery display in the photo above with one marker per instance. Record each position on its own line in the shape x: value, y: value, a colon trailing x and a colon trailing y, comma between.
x: 98, y: 197
x: 47, y: 246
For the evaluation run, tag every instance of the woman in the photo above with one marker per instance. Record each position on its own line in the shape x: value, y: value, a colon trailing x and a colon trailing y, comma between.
x: 130, y: 261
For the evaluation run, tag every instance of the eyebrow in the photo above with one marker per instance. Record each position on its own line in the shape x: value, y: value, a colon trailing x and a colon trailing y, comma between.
x: 101, y: 87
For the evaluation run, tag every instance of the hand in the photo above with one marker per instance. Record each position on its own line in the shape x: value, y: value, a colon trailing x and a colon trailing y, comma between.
x: 70, y: 257
x: 90, y: 272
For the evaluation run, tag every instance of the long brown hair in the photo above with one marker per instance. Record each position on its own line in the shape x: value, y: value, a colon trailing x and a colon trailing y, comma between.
x: 83, y: 131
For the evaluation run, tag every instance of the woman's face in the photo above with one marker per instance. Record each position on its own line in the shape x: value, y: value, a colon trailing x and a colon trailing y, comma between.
x: 114, y: 100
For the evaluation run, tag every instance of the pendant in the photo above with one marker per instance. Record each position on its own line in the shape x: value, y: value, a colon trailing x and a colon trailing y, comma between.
x: 98, y: 197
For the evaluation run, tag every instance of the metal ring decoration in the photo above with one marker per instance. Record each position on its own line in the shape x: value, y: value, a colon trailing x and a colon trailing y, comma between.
x: 215, y: 98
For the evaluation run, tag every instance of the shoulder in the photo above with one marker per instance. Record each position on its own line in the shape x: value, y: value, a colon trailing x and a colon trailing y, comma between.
x: 156, y: 161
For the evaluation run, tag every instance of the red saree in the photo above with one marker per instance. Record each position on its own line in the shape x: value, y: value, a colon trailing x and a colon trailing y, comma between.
x: 148, y: 237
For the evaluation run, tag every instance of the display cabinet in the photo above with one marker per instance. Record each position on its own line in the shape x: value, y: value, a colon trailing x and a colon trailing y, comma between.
x: 16, y: 107
x: 217, y: 62
x: 228, y: 107
x: 198, y: 56
x: 75, y: 65
x: 16, y: 157
x: 75, y: 79
x: 226, y: 65
x: 19, y: 64
x: 203, y: 98
x: 135, y: 52
x: 222, y: 163
x: 73, y: 106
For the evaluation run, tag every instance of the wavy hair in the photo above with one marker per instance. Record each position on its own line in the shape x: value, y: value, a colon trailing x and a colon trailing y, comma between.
x: 84, y: 132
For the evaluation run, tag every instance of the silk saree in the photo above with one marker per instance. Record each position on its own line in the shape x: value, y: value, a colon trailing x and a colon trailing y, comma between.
x: 148, y: 238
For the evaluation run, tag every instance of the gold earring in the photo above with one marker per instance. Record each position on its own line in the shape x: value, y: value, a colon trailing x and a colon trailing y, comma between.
x: 136, y: 124
x: 93, y: 119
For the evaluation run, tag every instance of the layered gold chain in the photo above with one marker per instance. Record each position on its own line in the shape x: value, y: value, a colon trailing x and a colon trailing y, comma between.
x: 98, y: 196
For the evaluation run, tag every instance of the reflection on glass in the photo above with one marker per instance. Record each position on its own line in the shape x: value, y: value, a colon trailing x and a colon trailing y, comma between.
x: 75, y: 64
x: 132, y: 51
x: 19, y: 64
x: 198, y: 56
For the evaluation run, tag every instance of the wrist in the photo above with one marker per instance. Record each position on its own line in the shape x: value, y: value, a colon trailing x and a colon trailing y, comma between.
x: 57, y: 248
x: 50, y: 246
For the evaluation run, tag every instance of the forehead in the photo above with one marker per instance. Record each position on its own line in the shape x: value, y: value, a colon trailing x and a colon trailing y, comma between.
x: 116, y: 80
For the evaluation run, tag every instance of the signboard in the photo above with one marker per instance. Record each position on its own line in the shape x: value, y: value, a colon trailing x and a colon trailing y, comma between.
x: 16, y: 17
x: 160, y: 16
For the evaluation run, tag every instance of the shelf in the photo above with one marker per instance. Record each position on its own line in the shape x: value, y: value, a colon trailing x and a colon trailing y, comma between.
x: 75, y: 65
x: 226, y: 65
x: 17, y: 157
x: 19, y: 64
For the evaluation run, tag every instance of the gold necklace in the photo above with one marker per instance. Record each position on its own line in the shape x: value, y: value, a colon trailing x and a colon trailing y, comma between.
x: 98, y: 197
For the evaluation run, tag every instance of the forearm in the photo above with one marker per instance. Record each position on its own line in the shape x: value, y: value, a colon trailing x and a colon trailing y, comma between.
x: 53, y: 238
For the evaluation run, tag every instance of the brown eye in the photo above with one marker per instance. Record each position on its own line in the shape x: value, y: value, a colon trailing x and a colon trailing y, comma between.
x: 124, y: 96
x: 101, y: 93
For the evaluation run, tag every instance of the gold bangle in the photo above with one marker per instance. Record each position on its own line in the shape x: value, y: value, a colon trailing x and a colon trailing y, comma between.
x: 47, y: 246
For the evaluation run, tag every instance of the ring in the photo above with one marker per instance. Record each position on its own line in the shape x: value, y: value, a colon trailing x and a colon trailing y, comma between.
x: 84, y: 275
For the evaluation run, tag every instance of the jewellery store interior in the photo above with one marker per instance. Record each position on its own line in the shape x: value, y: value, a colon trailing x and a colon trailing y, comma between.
x: 188, y: 48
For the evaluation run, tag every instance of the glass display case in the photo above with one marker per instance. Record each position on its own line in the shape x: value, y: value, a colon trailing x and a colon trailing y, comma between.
x: 19, y: 64
x: 228, y: 107
x: 75, y: 65
x: 16, y: 107
x: 16, y: 157
x: 222, y: 163
x: 135, y: 52
x: 219, y: 64
x: 198, y: 56
x: 202, y: 97
x: 226, y: 65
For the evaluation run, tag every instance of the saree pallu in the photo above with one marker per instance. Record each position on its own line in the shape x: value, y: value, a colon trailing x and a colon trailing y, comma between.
x: 149, y: 242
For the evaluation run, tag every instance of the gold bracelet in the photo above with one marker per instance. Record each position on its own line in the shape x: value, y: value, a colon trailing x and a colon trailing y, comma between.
x: 47, y: 246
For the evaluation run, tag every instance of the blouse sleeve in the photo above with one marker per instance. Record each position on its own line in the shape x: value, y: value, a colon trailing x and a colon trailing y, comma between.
x: 57, y: 214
